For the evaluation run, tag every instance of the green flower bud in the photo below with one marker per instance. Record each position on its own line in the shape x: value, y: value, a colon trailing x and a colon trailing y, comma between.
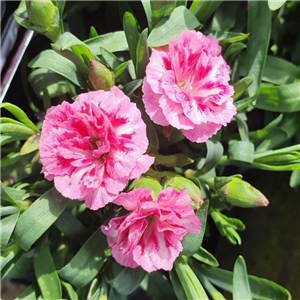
x: 179, y: 183
x: 242, y: 194
x: 44, y: 18
x: 100, y: 77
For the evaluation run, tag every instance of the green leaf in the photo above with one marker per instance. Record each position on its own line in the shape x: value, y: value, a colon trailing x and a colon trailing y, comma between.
x: 190, y: 283
x: 69, y: 289
x: 174, y: 160
x: 10, y: 159
x: 45, y: 272
x: 204, y: 256
x: 177, y: 286
x: 32, y: 292
x: 214, y: 293
x: 160, y: 9
x: 79, y: 48
x: 7, y: 226
x: 9, y: 120
x: 8, y: 210
x: 127, y: 280
x: 42, y: 80
x: 241, y: 86
x: 11, y: 195
x: 274, y: 5
x: 38, y: 218
x: 259, y: 26
x: 17, y: 130
x: 51, y: 60
x: 130, y: 27
x: 244, y: 103
x: 142, y: 55
x: 112, y: 42
x: 147, y: 8
x: 157, y: 286
x: 170, y: 27
x: 191, y: 241
x: 204, y: 9
x: 71, y: 227
x: 284, y: 98
x: 19, y: 114
x: 87, y: 262
x: 261, y: 289
x: 295, y: 179
x: 241, y: 151
x: 132, y: 86
x: 280, y: 71
x: 120, y: 69
x: 32, y: 144
x: 228, y: 37
x: 241, y: 288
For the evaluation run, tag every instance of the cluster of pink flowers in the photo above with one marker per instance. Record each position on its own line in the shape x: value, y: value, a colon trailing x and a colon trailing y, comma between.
x: 94, y: 146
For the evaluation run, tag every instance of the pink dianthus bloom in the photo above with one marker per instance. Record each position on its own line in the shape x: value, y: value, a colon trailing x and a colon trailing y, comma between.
x: 150, y: 235
x: 92, y: 147
x: 186, y: 86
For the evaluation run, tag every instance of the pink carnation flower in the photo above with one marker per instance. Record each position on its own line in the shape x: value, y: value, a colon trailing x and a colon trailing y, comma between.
x: 93, y: 146
x: 186, y: 86
x: 150, y: 235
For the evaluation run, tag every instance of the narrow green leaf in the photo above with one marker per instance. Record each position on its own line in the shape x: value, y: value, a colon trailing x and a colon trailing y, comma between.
x: 10, y: 159
x: 45, y: 272
x: 32, y: 144
x: 244, y: 103
x: 190, y: 283
x: 241, y: 86
x: 170, y: 27
x: 228, y: 37
x: 212, y: 291
x: 9, y: 120
x: 204, y: 256
x: 241, y: 288
x: 160, y: 9
x: 158, y: 286
x: 11, y: 194
x: 38, y: 218
x: 93, y: 32
x: 147, y: 8
x: 12, y: 129
x: 204, y: 9
x: 113, y: 42
x: 51, y: 60
x: 259, y: 26
x: 87, y: 262
x: 120, y: 69
x: 130, y: 27
x: 284, y: 98
x: 70, y: 290
x: 132, y: 86
x: 32, y: 292
x: 8, y: 210
x: 191, y: 241
x: 177, y: 286
x: 19, y: 114
x: 295, y: 179
x: 261, y: 289
x: 7, y: 226
x: 142, y: 55
x: 69, y: 41
x: 126, y: 281
x: 71, y: 227
x: 280, y: 71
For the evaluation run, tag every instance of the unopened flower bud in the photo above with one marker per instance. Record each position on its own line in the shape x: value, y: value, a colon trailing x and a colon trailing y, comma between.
x: 44, y: 18
x: 242, y: 194
x: 180, y: 182
x: 100, y: 77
